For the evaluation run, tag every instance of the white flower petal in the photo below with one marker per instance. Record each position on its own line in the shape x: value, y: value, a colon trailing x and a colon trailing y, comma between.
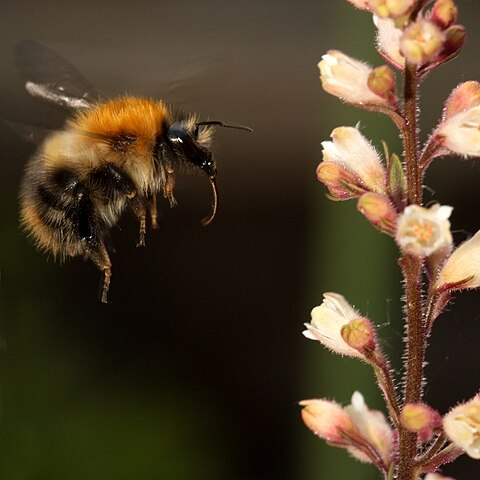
x: 347, y: 78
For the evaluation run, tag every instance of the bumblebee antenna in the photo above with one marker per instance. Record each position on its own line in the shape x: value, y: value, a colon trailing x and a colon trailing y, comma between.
x: 207, y: 220
x: 218, y: 123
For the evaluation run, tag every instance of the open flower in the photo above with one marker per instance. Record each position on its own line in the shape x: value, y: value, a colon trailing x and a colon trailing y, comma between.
x: 421, y: 41
x: 363, y: 432
x: 347, y: 78
x: 460, y: 133
x: 423, y: 231
x: 462, y: 426
x: 351, y: 166
x: 373, y: 426
x: 462, y: 269
x: 327, y: 322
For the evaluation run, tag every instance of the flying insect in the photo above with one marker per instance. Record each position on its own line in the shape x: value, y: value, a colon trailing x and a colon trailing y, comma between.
x: 111, y: 155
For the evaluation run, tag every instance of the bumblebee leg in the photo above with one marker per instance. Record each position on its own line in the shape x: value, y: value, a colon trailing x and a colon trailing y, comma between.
x: 110, y: 174
x: 101, y: 259
x: 138, y: 208
x: 152, y: 206
x: 169, y: 186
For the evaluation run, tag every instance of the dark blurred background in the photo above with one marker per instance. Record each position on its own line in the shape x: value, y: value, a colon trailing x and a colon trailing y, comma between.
x: 195, y: 369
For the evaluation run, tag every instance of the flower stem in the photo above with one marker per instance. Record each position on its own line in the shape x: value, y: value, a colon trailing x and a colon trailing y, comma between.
x: 410, y: 136
x: 412, y: 268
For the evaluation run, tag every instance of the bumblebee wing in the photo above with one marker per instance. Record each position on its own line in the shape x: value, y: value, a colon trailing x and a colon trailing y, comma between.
x: 51, y: 78
x: 33, y: 134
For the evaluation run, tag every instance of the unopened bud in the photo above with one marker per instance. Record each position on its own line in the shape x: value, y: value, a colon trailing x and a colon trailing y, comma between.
x: 444, y: 13
x: 359, y: 334
x: 379, y: 211
x: 327, y: 420
x: 390, y: 8
x: 381, y: 81
x: 421, y: 419
x: 341, y: 183
x: 421, y: 41
x: 454, y: 39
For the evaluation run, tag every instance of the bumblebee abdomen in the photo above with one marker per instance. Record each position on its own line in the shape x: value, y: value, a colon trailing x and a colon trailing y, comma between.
x: 59, y: 210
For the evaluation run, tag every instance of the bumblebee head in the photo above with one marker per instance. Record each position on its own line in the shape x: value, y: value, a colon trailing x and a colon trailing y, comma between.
x: 186, y: 145
x: 191, y: 144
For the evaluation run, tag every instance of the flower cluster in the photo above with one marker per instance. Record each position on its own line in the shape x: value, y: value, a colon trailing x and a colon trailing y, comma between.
x: 413, y: 37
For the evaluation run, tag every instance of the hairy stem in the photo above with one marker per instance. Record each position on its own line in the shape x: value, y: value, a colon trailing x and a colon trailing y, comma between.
x: 412, y: 268
x: 410, y: 136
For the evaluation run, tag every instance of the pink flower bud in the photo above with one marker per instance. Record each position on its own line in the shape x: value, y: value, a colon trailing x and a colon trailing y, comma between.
x: 350, y: 166
x: 347, y: 78
x: 421, y: 419
x: 390, y: 8
x: 421, y: 41
x: 363, y: 432
x: 462, y: 268
x: 327, y: 420
x: 379, y: 211
x: 462, y: 426
x: 360, y: 334
x: 423, y: 231
x: 327, y: 322
x: 444, y: 13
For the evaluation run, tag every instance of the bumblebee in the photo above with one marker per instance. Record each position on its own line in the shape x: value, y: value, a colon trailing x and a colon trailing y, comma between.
x: 111, y: 155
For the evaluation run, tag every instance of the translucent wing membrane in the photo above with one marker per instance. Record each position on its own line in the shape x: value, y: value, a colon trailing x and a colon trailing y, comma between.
x: 51, y: 78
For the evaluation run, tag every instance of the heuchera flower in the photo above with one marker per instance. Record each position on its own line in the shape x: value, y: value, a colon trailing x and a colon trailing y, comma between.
x: 327, y: 322
x: 461, y: 132
x: 462, y: 426
x: 421, y: 41
x: 363, y: 432
x: 462, y: 268
x: 423, y: 231
x: 347, y: 78
x: 373, y: 426
x: 350, y: 166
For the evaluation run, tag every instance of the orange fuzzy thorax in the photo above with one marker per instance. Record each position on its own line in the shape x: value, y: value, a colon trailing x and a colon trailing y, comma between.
x: 140, y: 117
